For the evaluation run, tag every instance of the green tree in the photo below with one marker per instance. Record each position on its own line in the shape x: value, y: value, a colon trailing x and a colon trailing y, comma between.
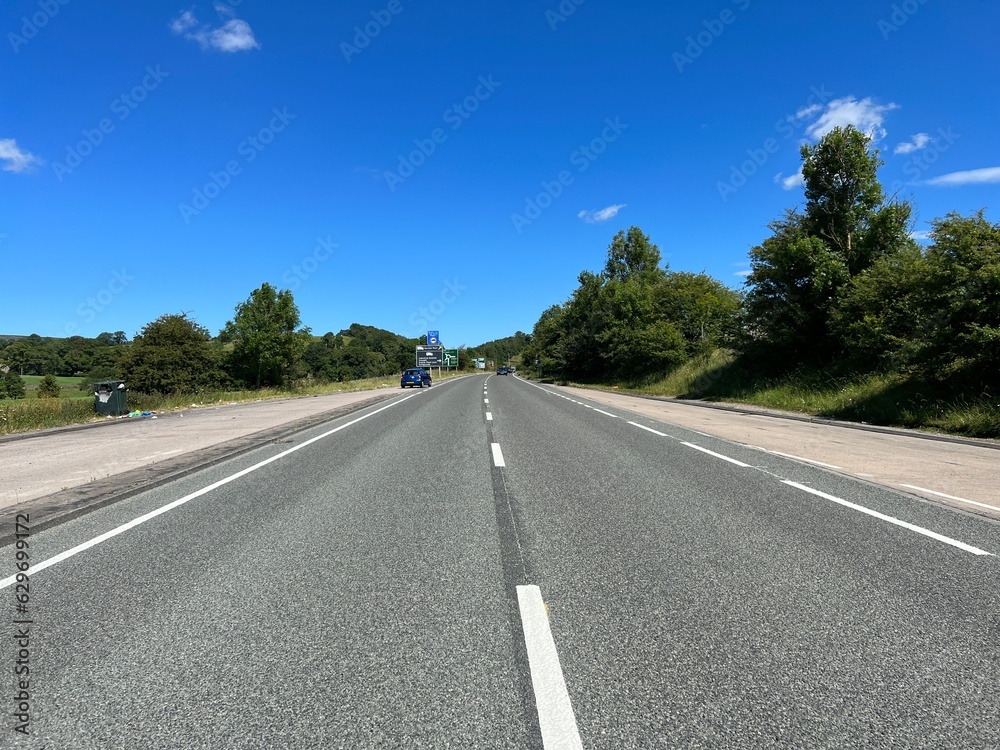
x: 12, y: 385
x: 172, y: 354
x: 268, y: 343
x: 793, y: 281
x: 631, y: 256
x: 842, y: 191
x: 703, y: 309
x: 800, y: 271
x: 49, y: 387
x: 546, y: 344
x: 963, y: 297
x: 882, y: 315
x: 15, y: 355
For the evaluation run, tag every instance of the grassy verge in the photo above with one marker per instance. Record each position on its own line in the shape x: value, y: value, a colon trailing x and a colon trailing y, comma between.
x: 24, y: 415
x: 891, y: 399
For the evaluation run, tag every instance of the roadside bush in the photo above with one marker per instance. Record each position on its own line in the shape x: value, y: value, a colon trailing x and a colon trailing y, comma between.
x: 49, y: 387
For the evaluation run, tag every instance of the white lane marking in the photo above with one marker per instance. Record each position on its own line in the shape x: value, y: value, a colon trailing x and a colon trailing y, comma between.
x: 800, y: 458
x: 188, y: 498
x: 649, y: 429
x: 555, y: 712
x: 497, y: 455
x: 489, y: 417
x: 717, y: 455
x: 486, y: 400
x: 606, y: 414
x: 906, y: 525
x: 951, y: 497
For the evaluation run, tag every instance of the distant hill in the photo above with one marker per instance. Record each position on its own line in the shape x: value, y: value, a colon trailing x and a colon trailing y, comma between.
x: 502, y: 350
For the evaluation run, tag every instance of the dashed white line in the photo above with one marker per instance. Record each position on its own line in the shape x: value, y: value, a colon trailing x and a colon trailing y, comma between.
x: 951, y: 497
x: 904, y: 524
x: 497, y: 455
x: 649, y: 429
x: 486, y: 400
x: 555, y: 712
x: 717, y: 455
x: 489, y: 417
x: 605, y: 414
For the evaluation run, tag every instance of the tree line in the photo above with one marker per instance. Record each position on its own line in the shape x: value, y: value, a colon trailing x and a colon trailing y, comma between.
x: 838, y: 282
x: 265, y: 345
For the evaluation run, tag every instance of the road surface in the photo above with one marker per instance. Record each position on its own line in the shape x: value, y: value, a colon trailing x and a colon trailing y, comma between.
x: 495, y: 564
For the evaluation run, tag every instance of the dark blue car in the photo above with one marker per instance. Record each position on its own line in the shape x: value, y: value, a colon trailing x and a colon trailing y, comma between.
x: 415, y: 376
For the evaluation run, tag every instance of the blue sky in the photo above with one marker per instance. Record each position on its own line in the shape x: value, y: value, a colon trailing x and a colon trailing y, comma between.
x: 418, y: 166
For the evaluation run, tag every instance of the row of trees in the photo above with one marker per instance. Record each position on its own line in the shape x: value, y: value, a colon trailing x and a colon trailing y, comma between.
x: 76, y: 355
x: 264, y: 345
x: 634, y: 318
x: 840, y: 280
x: 843, y: 279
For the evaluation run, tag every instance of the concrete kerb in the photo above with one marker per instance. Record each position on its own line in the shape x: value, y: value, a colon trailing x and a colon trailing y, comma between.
x: 57, y: 508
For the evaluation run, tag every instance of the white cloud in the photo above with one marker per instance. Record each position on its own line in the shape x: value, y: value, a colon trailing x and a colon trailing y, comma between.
x: 916, y: 142
x: 790, y: 183
x: 920, y: 235
x: 598, y: 217
x: 808, y: 111
x: 970, y: 177
x: 17, y: 160
x: 235, y: 35
x: 743, y: 274
x: 865, y: 115
x: 184, y: 22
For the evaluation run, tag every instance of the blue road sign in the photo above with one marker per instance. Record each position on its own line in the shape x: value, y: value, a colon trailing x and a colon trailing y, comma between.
x: 433, y: 338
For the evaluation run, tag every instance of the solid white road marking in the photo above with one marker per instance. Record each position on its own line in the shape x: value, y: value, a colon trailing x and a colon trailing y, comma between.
x: 807, y: 460
x: 489, y: 417
x: 497, y: 455
x: 912, y: 527
x: 717, y: 455
x: 188, y: 498
x: 555, y: 712
x: 951, y: 497
x: 649, y: 429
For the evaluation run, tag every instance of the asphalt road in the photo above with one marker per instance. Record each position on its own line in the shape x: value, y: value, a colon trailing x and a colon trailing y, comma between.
x: 492, y: 564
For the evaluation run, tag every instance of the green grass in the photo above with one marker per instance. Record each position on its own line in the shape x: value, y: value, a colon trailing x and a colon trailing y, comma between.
x: 69, y: 387
x: 24, y: 415
x: 887, y: 398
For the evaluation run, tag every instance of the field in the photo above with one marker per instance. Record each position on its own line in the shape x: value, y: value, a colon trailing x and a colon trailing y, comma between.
x: 69, y: 387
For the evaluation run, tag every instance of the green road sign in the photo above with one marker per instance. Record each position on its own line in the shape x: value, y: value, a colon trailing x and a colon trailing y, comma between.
x: 450, y: 358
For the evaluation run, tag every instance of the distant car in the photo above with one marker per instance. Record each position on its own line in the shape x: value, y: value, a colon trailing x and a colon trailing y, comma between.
x: 501, y: 371
x: 415, y: 376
